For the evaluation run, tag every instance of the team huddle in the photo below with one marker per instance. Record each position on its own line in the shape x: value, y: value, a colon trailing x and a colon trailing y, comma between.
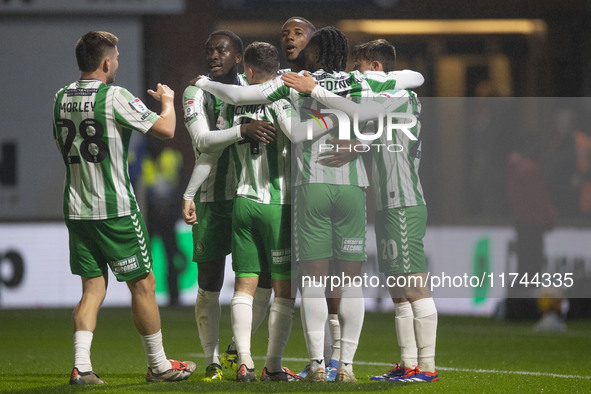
x: 268, y: 184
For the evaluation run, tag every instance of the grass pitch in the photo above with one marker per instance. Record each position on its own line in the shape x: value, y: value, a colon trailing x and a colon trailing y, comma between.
x: 474, y: 355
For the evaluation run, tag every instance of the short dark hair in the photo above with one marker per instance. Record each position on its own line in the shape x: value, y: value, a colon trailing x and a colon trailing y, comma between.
x: 262, y: 56
x: 333, y: 47
x: 92, y: 47
x: 236, y: 41
x: 310, y: 24
x: 380, y: 50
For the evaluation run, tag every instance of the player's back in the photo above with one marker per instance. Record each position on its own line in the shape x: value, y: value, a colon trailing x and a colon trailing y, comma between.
x: 93, y: 123
x: 263, y: 170
x: 307, y: 153
x: 396, y: 157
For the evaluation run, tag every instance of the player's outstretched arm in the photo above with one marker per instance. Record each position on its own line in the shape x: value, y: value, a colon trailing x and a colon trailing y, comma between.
x: 367, y: 110
x: 166, y: 123
x: 302, y: 83
x: 407, y: 79
x: 205, y: 137
x: 211, y: 141
x: 234, y: 94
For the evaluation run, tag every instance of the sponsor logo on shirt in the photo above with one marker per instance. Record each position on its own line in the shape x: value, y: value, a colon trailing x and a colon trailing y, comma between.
x: 137, y: 104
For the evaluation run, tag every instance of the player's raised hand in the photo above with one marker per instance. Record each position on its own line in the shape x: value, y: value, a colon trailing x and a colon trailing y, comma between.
x: 302, y: 83
x: 163, y: 92
x: 189, y: 215
x: 258, y: 130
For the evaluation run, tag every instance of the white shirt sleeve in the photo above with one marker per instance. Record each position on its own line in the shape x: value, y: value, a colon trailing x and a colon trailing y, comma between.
x: 201, y: 170
x: 369, y: 109
x: 234, y: 94
x: 407, y: 79
x: 209, y: 141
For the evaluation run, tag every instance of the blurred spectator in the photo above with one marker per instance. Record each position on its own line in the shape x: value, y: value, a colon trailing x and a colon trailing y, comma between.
x: 487, y: 145
x: 533, y: 214
x: 560, y: 164
x: 532, y: 209
x: 582, y: 179
x: 161, y: 181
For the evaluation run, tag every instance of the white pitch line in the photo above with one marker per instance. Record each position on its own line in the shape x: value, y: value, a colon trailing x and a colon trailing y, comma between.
x: 493, y: 371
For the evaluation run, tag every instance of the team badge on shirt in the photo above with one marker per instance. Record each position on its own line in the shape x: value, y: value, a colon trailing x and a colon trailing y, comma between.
x: 137, y: 104
x: 189, y: 109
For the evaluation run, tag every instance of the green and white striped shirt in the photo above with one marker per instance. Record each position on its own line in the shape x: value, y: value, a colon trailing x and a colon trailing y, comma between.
x: 264, y: 170
x: 352, y: 84
x: 395, y: 165
x: 92, y: 124
x: 201, y: 106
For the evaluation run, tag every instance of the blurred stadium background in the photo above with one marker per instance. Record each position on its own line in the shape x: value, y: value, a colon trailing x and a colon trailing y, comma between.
x: 522, y: 50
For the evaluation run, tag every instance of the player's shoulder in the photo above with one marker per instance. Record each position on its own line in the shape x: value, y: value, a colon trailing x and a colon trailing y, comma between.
x: 63, y: 89
x: 120, y: 94
x: 192, y: 91
x: 114, y: 89
x: 280, y: 105
x: 322, y: 74
x: 195, y: 96
x: 273, y: 85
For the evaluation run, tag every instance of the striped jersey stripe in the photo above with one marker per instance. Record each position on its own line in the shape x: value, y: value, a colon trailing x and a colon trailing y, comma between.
x: 220, y: 185
x: 395, y: 171
x: 264, y: 170
x: 92, y: 125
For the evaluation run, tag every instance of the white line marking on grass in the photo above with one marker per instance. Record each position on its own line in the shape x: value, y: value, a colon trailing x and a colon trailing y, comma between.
x: 493, y: 371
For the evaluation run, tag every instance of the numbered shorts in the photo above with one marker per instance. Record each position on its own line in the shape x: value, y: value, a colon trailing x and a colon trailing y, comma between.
x: 329, y: 221
x: 261, y: 239
x: 399, y: 237
x: 121, y: 243
x: 212, y: 235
